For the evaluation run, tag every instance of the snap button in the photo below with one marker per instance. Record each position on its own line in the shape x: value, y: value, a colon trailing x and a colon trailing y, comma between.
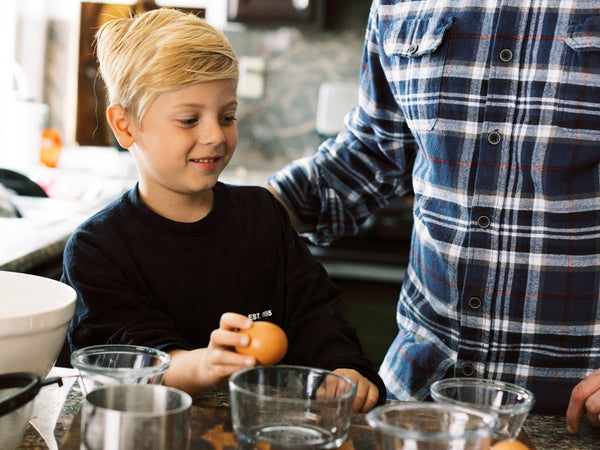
x: 475, y: 302
x: 467, y: 370
x: 412, y: 49
x: 494, y: 138
x: 506, y: 55
x: 483, y: 222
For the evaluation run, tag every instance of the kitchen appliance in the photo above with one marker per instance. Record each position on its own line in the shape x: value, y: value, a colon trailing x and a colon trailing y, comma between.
x: 297, y: 13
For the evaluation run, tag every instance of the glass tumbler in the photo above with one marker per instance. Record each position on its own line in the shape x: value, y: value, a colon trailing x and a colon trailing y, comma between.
x: 102, y: 365
x: 430, y: 426
x: 290, y: 407
x: 509, y: 402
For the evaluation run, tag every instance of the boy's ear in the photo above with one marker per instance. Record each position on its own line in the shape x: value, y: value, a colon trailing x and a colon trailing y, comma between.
x: 120, y: 124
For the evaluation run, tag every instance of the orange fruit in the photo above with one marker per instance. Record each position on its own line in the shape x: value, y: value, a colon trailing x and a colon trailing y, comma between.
x: 268, y: 343
x: 51, y: 147
x: 509, y: 444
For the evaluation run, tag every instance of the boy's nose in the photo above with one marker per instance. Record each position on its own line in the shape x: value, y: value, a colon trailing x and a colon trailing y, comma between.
x: 210, y: 132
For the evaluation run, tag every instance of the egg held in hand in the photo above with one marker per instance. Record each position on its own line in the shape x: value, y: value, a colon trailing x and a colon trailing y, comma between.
x: 268, y: 343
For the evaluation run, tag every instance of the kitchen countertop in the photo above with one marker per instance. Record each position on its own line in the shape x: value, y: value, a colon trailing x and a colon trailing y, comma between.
x: 85, y: 181
x: 56, y: 409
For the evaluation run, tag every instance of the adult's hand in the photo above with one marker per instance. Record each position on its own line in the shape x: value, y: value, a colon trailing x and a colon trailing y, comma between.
x: 366, y: 391
x: 585, y: 399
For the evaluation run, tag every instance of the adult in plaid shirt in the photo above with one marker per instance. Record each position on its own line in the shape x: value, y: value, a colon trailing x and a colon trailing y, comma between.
x: 489, y: 111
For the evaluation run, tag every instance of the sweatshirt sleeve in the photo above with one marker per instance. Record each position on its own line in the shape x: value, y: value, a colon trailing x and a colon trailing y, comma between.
x: 109, y: 309
x: 319, y: 335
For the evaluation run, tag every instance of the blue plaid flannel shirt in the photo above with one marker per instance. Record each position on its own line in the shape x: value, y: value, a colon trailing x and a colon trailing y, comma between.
x: 489, y: 111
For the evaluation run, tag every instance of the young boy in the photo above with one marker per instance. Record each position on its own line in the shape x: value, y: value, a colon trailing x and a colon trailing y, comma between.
x: 182, y: 262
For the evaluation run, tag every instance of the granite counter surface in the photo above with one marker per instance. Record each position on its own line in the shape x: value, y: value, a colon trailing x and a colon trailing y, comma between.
x: 85, y: 180
x: 57, y: 409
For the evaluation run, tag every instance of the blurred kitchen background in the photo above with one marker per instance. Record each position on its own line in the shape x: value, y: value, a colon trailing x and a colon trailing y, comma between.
x: 299, y: 62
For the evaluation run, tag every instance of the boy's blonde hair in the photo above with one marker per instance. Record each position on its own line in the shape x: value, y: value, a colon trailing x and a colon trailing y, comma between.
x: 157, y: 51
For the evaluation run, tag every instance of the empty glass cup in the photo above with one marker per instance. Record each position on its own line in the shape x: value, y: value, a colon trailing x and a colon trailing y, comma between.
x: 431, y: 426
x: 102, y: 365
x: 291, y: 407
x: 509, y: 402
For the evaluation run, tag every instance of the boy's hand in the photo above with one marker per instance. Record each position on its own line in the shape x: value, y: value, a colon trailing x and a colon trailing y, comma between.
x: 366, y: 391
x: 220, y: 360
x: 196, y: 371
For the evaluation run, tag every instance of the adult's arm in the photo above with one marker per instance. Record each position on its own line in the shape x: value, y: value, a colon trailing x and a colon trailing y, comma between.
x: 356, y: 173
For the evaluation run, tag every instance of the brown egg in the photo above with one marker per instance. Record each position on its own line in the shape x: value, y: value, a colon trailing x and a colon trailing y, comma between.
x: 508, y: 444
x: 268, y: 343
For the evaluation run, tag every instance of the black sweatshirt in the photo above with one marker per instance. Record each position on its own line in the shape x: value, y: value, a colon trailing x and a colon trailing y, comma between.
x: 146, y: 280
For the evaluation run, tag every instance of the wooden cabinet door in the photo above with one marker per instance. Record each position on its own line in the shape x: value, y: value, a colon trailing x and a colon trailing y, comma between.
x: 92, y: 127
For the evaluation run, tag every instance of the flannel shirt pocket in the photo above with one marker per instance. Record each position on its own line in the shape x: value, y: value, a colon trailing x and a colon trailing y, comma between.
x: 415, y: 66
x: 579, y: 92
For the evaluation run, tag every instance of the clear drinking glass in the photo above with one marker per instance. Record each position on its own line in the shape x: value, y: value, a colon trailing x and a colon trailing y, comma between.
x: 291, y: 406
x: 509, y: 402
x: 431, y: 426
x: 102, y: 365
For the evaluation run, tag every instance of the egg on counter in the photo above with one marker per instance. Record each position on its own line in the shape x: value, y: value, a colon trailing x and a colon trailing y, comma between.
x: 268, y: 343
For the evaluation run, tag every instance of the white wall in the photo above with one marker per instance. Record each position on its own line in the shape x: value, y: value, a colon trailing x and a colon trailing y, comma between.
x: 23, y: 34
x: 7, y: 43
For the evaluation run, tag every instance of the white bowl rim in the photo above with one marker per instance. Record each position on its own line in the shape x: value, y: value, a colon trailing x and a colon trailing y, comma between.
x: 373, y: 419
x: 69, y: 301
x: 234, y: 387
x: 525, y: 394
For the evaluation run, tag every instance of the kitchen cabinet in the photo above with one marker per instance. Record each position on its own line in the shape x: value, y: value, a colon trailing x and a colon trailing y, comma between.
x: 370, y: 307
x: 278, y: 12
x: 92, y: 127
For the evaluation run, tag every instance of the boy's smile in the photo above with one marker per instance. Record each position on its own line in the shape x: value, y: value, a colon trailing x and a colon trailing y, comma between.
x: 186, y: 139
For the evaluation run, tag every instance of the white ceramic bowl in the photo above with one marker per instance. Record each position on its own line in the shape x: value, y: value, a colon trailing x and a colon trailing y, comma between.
x: 34, y: 318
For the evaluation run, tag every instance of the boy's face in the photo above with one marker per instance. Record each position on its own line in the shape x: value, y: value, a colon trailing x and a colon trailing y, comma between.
x: 186, y: 139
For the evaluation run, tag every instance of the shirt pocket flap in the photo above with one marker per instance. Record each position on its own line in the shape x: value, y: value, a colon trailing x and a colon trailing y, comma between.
x: 584, y: 36
x: 416, y: 37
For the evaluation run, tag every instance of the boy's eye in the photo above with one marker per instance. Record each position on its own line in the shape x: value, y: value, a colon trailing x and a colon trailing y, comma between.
x: 228, y: 120
x: 188, y: 122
